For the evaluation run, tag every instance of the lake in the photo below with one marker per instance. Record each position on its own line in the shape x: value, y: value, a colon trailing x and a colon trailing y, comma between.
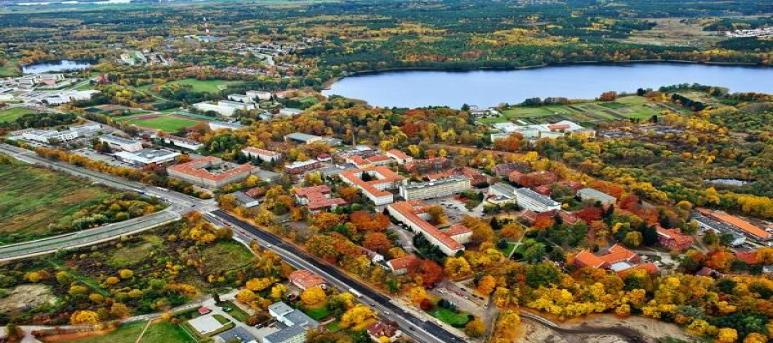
x: 55, y: 66
x: 492, y: 87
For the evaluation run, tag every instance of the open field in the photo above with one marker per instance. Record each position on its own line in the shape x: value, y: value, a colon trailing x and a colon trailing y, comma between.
x: 128, y: 333
x: 624, y: 108
x: 226, y: 255
x: 167, y: 123
x: 675, y: 32
x: 31, y: 198
x: 9, y: 69
x: 208, y: 86
x: 454, y: 318
x: 11, y: 114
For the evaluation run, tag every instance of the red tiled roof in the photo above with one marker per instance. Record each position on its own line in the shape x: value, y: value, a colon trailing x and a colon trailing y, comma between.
x: 410, y: 210
x: 673, y: 234
x: 587, y: 259
x: 457, y: 229
x: 749, y: 257
x: 617, y: 253
x: 305, y: 279
x: 318, y: 197
x: 403, y: 262
x: 398, y: 154
x: 306, y: 191
x: 742, y: 224
x: 386, y: 176
x: 196, y: 168
x: 382, y: 329
x: 259, y: 151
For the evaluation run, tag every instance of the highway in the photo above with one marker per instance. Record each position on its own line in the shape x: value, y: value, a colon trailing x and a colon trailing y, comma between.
x: 87, y: 237
x: 412, y: 325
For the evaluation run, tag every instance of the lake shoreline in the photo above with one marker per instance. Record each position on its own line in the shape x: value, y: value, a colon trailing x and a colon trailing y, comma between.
x: 327, y: 84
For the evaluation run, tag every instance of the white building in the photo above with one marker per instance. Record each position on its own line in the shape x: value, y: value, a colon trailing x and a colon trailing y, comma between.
x: 259, y: 95
x: 240, y: 98
x: 225, y: 108
x: 534, y: 201
x: 120, y: 143
x: 182, y: 142
x: 595, y: 195
x: 537, y: 131
x: 64, y: 97
x: 296, y: 323
x: 221, y: 125
x: 262, y: 154
x: 148, y: 156
x: 435, y: 189
x: 414, y: 215
x: 54, y: 136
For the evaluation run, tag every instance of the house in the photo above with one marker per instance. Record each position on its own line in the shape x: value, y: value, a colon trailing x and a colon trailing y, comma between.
x: 504, y: 169
x: 434, y: 189
x: 296, y: 323
x: 414, y: 215
x: 120, y: 143
x: 399, y: 156
x: 182, y: 142
x: 305, y: 279
x: 617, y: 259
x: 673, y: 239
x: 533, y: 179
x: 388, y: 329
x: 245, y: 200
x: 148, y: 156
x: 262, y: 154
x: 317, y: 198
x: 300, y: 167
x: 373, y: 182
x: 210, y: 172
x: 402, y: 265
x: 590, y: 194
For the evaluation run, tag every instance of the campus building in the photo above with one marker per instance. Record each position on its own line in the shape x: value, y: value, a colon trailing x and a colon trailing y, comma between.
x: 537, y: 131
x: 224, y: 108
x: 210, y: 172
x: 300, y: 167
x: 147, y: 156
x: 434, y: 189
x: 294, y: 324
x: 182, y: 142
x: 317, y: 198
x: 262, y: 154
x: 414, y: 215
x: 120, y: 143
x: 590, y: 194
x: 373, y: 182
x: 739, y: 225
x: 502, y: 193
x: 617, y: 259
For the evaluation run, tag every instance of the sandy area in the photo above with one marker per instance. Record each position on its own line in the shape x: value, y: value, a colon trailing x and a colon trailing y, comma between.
x: 26, y: 297
x: 647, y: 326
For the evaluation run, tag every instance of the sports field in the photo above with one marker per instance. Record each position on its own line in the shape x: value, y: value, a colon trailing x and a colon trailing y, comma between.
x: 129, y: 333
x: 167, y: 123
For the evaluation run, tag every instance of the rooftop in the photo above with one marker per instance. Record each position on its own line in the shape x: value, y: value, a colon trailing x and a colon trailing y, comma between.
x: 411, y: 209
x: 211, y: 168
x: 543, y: 200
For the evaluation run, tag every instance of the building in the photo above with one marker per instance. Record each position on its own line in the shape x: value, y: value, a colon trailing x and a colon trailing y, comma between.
x: 120, y: 143
x: 317, y: 198
x: 477, y: 179
x: 59, y: 136
x: 240, y: 98
x: 706, y: 223
x: 222, y: 125
x: 210, y: 172
x: 304, y: 138
x: 434, y: 189
x: 388, y: 329
x: 373, y: 182
x: 262, y: 154
x: 739, y: 225
x: 403, y: 265
x: 537, y: 131
x: 617, y: 259
x: 294, y: 321
x: 147, y: 156
x: 259, y: 95
x: 504, y: 169
x: 64, y: 97
x: 224, y: 108
x: 428, y: 165
x: 502, y: 193
x: 590, y: 194
x: 399, y: 156
x: 369, y: 161
x: 414, y: 215
x: 245, y: 200
x: 305, y: 279
x: 182, y: 142
x: 673, y: 239
x: 300, y: 167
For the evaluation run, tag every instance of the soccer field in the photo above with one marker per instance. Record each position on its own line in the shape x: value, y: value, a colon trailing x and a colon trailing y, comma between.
x: 166, y: 123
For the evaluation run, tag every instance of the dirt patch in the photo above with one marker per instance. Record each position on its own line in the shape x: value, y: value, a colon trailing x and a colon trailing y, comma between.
x: 648, y: 326
x: 26, y: 297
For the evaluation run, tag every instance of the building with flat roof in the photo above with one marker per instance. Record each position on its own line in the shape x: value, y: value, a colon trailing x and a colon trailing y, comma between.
x: 120, y: 143
x: 296, y: 323
x: 262, y: 154
x: 210, y: 172
x: 225, y: 108
x: 414, y: 215
x: 182, y: 142
x: 373, y: 182
x: 147, y: 156
x: 245, y: 200
x: 537, y: 131
x: 531, y: 200
x: 300, y: 167
x: 434, y: 189
x: 305, y: 138
x: 223, y: 125
x: 59, y: 136
x: 590, y: 194
x: 740, y: 225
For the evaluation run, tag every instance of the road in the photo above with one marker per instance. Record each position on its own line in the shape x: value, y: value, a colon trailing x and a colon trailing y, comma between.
x: 87, y: 237
x: 412, y: 325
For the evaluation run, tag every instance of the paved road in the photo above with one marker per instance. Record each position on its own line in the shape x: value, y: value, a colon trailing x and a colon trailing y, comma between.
x: 423, y: 331
x: 87, y: 237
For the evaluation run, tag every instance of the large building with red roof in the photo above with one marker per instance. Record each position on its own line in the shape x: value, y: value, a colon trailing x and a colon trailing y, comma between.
x: 210, y: 172
x: 414, y: 214
x: 673, y: 239
x: 375, y: 185
x: 617, y: 258
x: 304, y: 279
x: 738, y: 224
x: 317, y: 198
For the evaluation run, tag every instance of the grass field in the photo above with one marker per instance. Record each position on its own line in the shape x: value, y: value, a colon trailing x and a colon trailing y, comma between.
x: 454, y: 318
x: 130, y: 255
x: 9, y: 69
x: 31, y: 198
x: 624, y: 108
x: 226, y: 255
x: 208, y: 86
x: 166, y: 123
x: 317, y: 313
x: 128, y: 333
x: 236, y: 312
x: 10, y: 114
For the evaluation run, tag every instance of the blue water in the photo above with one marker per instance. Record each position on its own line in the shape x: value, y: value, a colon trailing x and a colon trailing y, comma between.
x: 492, y: 87
x: 56, y: 66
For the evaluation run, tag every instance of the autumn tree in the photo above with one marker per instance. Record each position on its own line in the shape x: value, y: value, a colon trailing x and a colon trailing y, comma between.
x: 84, y: 317
x: 313, y: 297
x: 377, y: 242
x: 475, y: 328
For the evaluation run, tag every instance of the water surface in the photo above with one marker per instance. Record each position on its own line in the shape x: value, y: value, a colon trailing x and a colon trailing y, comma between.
x: 492, y: 87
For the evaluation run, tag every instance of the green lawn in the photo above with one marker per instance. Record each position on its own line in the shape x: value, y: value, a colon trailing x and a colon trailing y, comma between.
x: 209, y: 86
x: 509, y: 249
x: 128, y: 333
x: 236, y: 312
x: 11, y: 114
x: 454, y: 318
x: 127, y: 256
x: 226, y: 255
x: 9, y: 69
x: 167, y: 123
x: 628, y: 107
x: 317, y: 313
x: 31, y: 198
